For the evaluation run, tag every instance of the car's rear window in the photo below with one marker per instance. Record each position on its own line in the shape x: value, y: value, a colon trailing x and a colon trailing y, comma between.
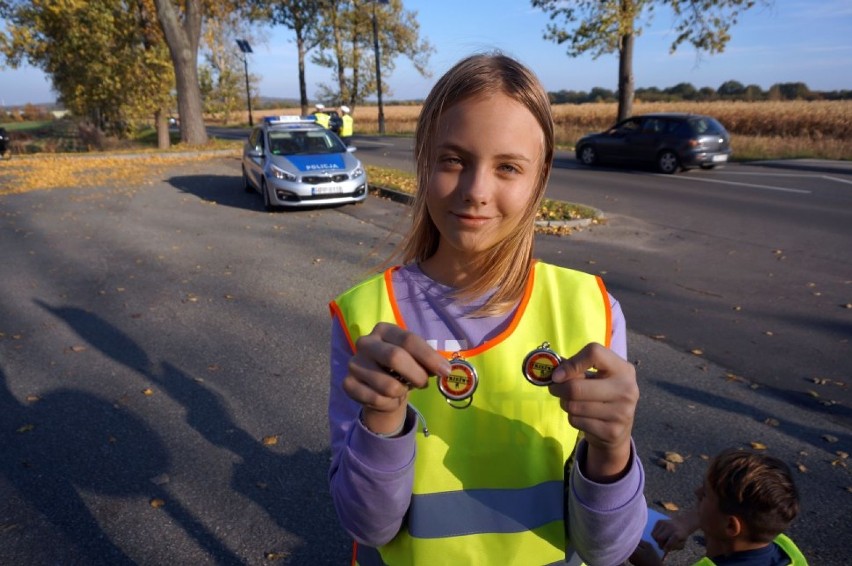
x: 706, y: 125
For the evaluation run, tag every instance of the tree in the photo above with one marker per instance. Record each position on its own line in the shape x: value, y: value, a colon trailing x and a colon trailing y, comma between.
x: 222, y: 76
x: 182, y: 30
x: 303, y: 17
x: 94, y: 51
x: 608, y: 26
x: 349, y: 38
x: 682, y: 91
x: 731, y: 89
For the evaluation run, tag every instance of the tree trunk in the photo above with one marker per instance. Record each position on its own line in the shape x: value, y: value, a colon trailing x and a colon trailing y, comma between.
x: 303, y: 88
x: 625, y: 77
x: 182, y: 39
x: 161, y: 119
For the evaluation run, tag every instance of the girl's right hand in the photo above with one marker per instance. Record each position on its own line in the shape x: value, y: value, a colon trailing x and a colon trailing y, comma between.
x: 387, y: 363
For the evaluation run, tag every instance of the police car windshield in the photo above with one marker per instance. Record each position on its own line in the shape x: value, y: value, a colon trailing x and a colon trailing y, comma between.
x: 303, y: 142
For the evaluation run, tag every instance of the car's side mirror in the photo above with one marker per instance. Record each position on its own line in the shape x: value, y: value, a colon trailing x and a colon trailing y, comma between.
x: 255, y: 152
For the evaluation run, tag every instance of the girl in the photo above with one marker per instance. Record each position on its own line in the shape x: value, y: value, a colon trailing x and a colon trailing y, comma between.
x: 493, y: 482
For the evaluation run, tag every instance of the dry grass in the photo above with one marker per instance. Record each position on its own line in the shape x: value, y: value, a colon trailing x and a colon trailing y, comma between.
x: 759, y: 130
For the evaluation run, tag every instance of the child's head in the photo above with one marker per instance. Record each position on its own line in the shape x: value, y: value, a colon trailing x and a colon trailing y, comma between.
x: 474, y: 78
x: 747, y: 495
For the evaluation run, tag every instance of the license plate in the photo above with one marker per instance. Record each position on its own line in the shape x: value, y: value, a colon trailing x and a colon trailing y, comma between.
x: 719, y: 158
x: 327, y: 190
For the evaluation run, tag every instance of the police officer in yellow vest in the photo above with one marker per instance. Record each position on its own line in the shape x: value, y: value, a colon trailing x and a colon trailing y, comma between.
x: 348, y: 125
x: 321, y: 116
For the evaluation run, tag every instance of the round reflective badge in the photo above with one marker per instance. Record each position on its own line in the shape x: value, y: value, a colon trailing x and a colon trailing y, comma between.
x: 460, y: 384
x: 539, y: 365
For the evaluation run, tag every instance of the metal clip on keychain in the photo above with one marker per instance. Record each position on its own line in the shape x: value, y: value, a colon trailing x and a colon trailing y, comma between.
x: 460, y: 384
x: 539, y: 365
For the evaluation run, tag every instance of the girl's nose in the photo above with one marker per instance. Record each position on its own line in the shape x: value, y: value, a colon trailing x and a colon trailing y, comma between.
x: 476, y: 187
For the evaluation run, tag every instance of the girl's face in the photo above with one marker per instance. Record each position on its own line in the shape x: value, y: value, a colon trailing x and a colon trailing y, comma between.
x: 487, y: 161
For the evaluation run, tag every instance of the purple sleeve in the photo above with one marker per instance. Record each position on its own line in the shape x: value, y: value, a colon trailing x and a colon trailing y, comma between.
x: 370, y: 477
x: 606, y: 521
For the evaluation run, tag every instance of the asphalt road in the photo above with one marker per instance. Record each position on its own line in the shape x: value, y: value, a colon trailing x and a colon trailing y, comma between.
x: 163, y: 380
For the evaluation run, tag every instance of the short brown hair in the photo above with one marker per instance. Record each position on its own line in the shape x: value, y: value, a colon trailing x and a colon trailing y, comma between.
x: 509, y: 261
x: 757, y: 488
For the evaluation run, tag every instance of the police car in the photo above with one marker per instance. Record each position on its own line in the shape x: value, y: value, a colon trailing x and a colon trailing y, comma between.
x: 292, y: 161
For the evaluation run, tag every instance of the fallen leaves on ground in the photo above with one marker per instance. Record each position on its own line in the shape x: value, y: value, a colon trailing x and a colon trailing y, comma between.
x: 270, y: 440
x: 669, y: 506
x: 68, y: 171
x: 670, y: 461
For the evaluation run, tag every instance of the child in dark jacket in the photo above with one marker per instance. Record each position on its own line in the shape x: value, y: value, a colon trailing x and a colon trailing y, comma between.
x: 744, y: 504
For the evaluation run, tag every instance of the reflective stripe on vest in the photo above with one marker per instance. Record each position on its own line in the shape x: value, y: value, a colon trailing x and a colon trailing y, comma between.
x: 787, y: 546
x: 488, y: 481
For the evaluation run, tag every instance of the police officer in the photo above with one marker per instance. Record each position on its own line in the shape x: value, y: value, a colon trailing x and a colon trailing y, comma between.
x: 321, y: 116
x: 348, y: 125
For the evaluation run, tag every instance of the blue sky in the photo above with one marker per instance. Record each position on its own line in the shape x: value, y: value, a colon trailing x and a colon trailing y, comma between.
x: 791, y: 41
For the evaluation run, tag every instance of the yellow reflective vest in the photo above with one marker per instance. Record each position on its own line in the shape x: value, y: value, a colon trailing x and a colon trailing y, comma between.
x: 322, y: 119
x: 346, y: 129
x: 787, y: 545
x: 488, y: 481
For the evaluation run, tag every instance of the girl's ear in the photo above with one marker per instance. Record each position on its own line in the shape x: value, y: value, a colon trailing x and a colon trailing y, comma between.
x: 733, y: 526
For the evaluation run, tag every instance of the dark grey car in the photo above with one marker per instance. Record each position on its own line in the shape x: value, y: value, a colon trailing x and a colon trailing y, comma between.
x: 669, y: 142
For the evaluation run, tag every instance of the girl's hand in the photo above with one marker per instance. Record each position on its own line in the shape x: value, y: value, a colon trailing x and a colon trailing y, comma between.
x: 387, y: 363
x: 598, y: 390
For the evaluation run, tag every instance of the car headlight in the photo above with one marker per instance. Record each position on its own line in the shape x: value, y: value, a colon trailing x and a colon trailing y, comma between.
x: 279, y: 173
x: 357, y: 172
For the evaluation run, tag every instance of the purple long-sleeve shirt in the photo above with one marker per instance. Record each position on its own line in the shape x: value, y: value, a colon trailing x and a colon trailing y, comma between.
x: 371, y: 477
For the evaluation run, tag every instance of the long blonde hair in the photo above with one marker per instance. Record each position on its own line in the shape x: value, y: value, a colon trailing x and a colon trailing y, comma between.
x: 506, y: 265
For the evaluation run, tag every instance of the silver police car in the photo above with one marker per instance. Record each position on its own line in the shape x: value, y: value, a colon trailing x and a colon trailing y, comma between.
x: 293, y: 161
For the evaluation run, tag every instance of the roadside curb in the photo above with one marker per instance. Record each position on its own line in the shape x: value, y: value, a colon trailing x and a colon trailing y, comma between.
x: 408, y: 199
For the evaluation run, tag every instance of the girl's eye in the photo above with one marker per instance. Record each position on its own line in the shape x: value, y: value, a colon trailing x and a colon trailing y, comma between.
x: 449, y: 160
x: 508, y: 168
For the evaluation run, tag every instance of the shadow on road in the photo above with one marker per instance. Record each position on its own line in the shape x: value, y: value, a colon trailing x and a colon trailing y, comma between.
x: 811, y: 436
x: 79, y: 441
x: 224, y: 190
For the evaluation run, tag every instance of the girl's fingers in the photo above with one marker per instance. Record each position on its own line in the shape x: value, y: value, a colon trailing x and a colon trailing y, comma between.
x: 387, y: 363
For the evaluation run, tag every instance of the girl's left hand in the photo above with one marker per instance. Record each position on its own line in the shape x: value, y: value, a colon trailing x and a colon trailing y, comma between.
x: 598, y: 390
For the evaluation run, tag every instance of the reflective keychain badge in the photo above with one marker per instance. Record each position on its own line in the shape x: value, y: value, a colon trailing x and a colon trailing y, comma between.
x: 460, y: 384
x: 539, y: 365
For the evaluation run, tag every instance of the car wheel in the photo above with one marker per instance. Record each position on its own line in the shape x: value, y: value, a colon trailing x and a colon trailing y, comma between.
x: 588, y: 155
x: 667, y: 162
x: 246, y: 183
x: 267, y: 202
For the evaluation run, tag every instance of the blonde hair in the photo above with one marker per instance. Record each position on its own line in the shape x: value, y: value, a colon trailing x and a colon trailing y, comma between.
x: 506, y: 265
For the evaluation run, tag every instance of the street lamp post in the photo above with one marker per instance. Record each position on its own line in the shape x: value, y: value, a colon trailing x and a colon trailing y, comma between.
x: 378, y: 66
x: 246, y: 49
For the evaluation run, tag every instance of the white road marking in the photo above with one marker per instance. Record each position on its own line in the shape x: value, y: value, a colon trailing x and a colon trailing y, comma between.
x: 752, y: 185
x: 836, y: 179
